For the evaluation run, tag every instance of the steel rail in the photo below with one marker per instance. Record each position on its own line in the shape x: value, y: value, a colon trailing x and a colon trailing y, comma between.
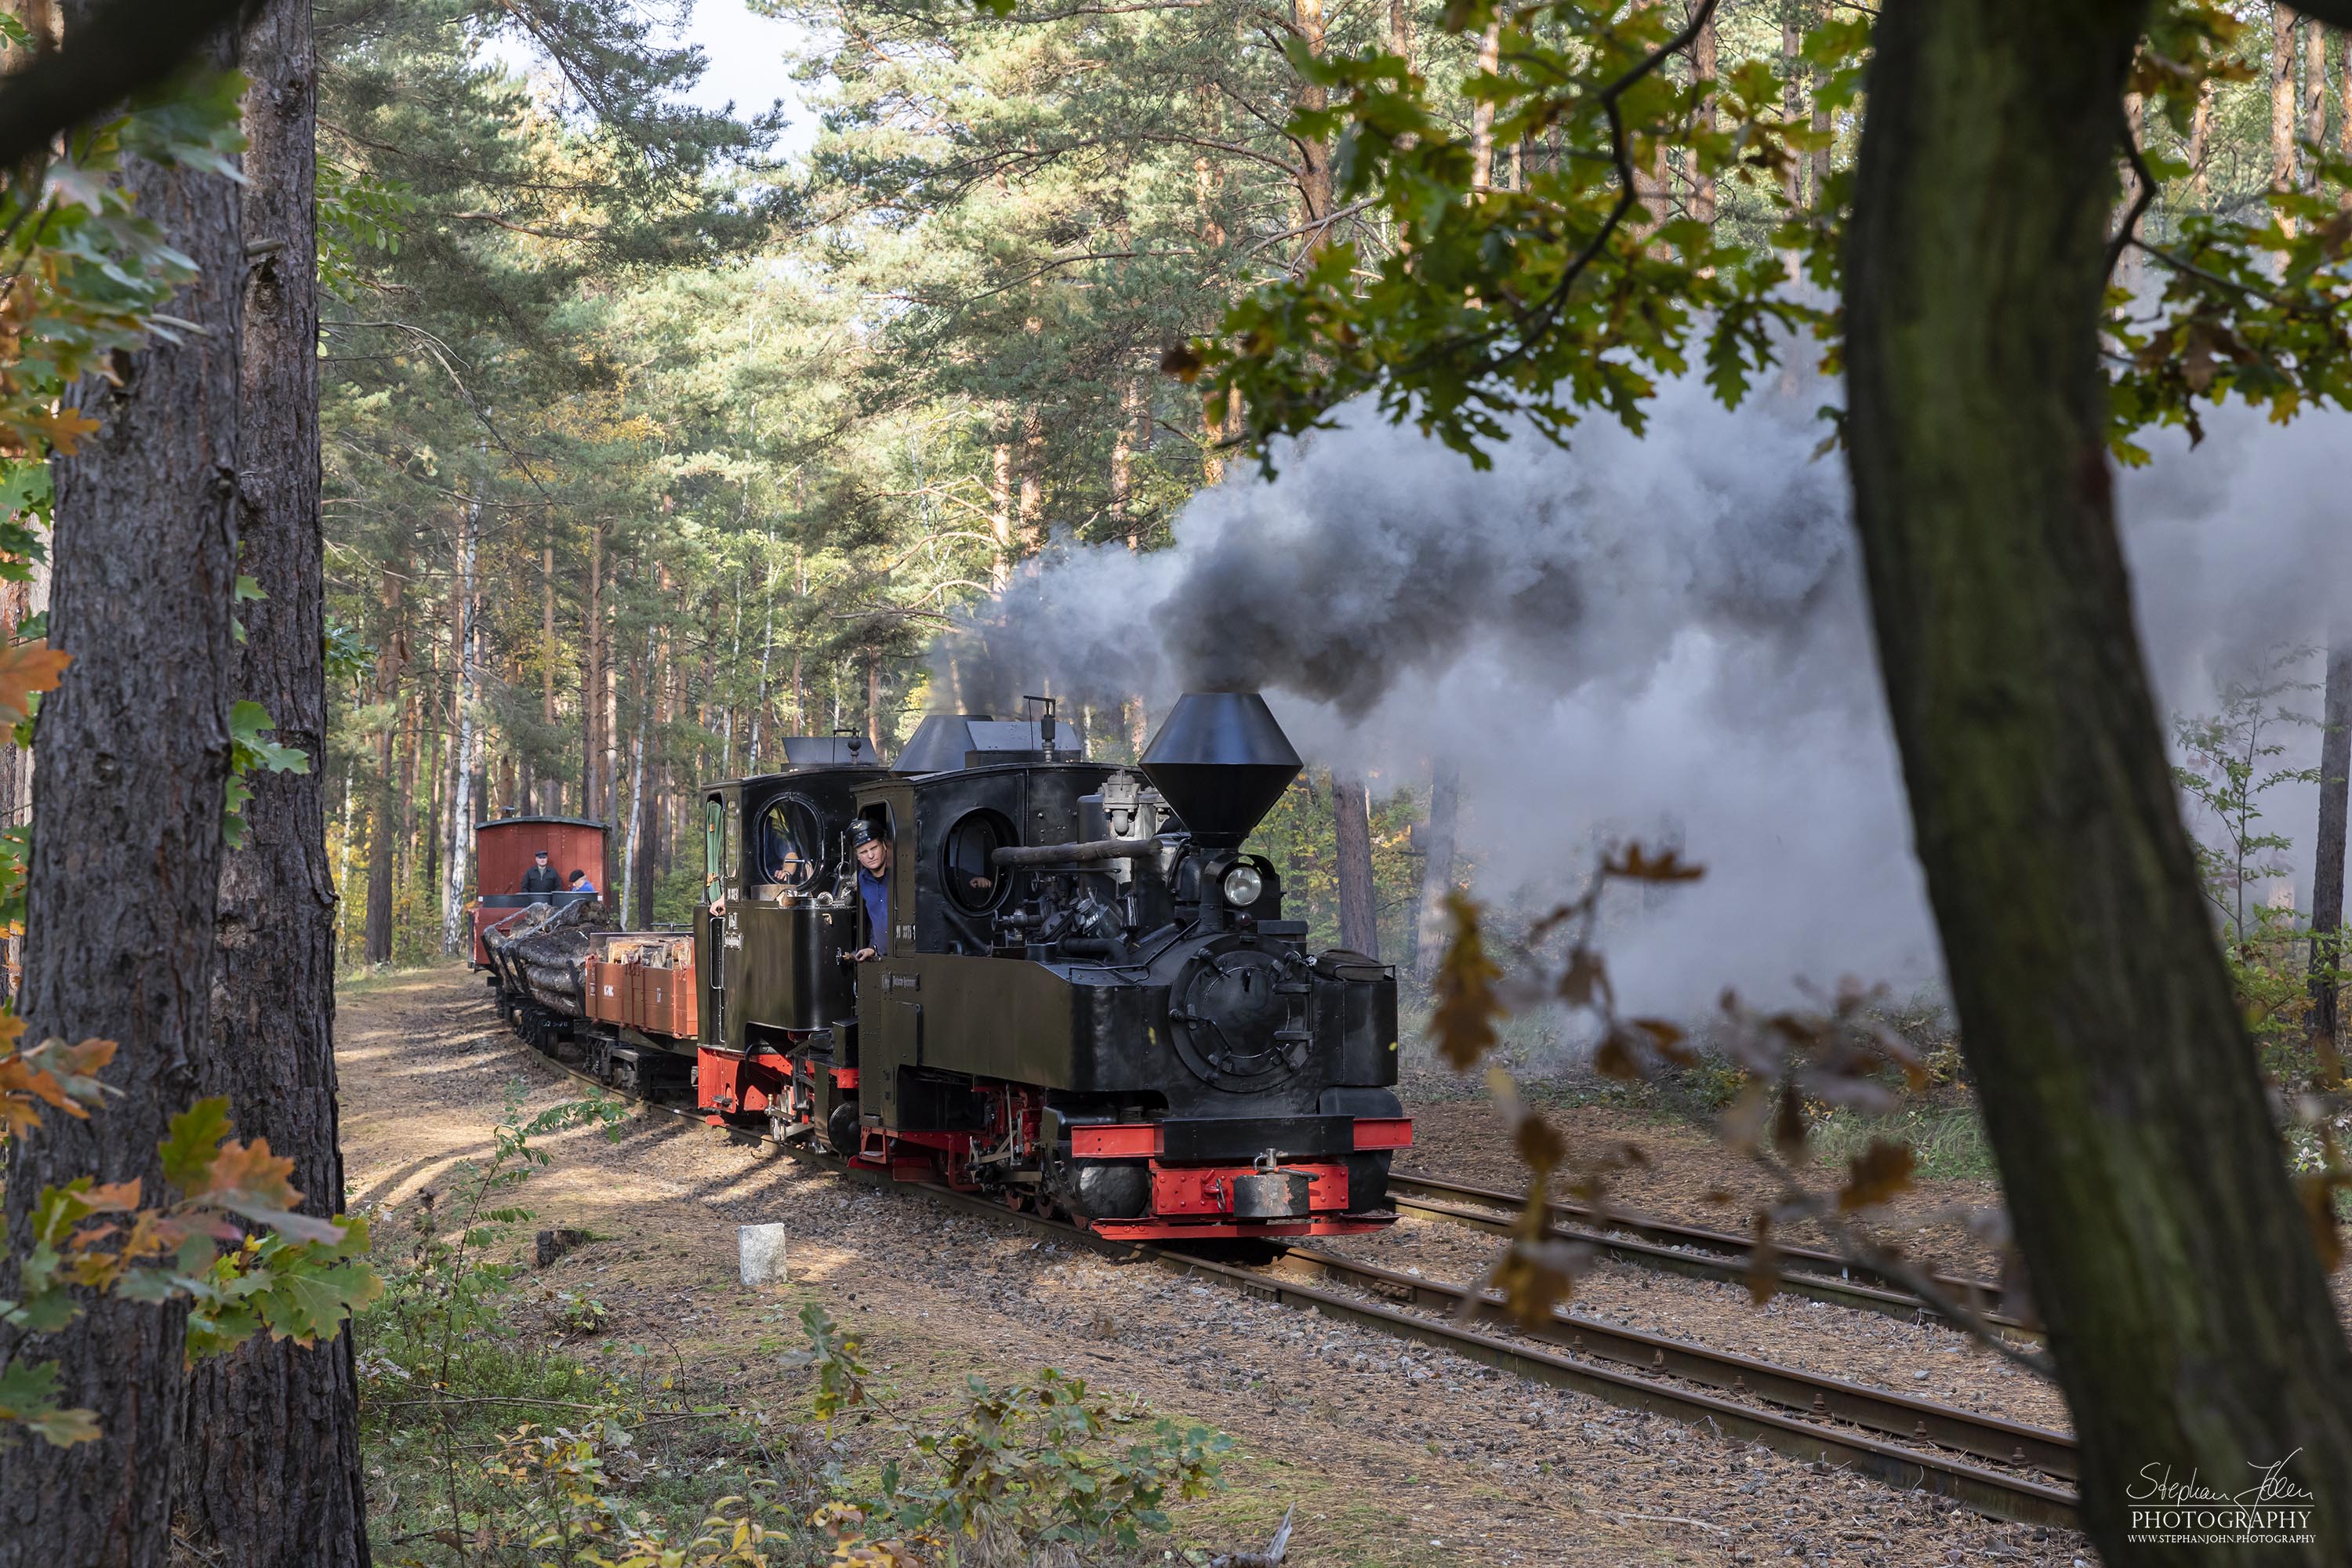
x: 2000, y: 1494
x: 1694, y: 1251
x: 1823, y: 1397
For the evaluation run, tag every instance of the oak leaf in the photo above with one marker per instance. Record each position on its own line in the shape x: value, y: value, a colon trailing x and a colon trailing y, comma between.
x: 1875, y: 1174
x: 1463, y: 1021
x: 27, y: 667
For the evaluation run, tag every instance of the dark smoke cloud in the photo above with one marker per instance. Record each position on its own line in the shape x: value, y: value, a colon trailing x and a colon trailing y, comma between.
x: 1661, y: 636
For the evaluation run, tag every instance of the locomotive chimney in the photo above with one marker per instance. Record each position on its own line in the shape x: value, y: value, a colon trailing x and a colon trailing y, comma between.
x: 1222, y: 761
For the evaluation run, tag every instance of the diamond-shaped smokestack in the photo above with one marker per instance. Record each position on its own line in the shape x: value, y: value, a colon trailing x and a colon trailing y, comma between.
x: 1222, y: 761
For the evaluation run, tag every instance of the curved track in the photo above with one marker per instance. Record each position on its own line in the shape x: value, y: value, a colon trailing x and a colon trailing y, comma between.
x: 1696, y: 1252
x: 1998, y: 1467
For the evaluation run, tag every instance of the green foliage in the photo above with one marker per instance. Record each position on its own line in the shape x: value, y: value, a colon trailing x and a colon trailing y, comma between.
x: 298, y: 1277
x: 88, y: 276
x: 359, y: 211
x: 1569, y: 294
x: 1042, y: 1461
x: 250, y: 749
x: 2230, y: 764
x: 621, y: 1476
x: 1561, y: 295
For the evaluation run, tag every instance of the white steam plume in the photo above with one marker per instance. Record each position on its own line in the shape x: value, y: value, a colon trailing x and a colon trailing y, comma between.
x: 1657, y: 636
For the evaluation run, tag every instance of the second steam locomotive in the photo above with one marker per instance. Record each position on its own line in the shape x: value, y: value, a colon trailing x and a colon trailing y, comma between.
x: 998, y: 965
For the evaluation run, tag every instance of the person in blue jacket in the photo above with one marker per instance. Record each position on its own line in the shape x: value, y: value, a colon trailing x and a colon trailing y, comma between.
x: 581, y: 884
x: 873, y: 889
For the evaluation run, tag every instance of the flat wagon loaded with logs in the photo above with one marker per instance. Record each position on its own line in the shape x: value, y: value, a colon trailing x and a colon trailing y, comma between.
x: 595, y: 997
x: 1002, y: 966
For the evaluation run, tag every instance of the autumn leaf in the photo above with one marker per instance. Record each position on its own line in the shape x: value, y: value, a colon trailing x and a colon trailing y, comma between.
x: 1664, y: 866
x: 1585, y: 975
x: 1763, y: 1262
x: 64, y: 428
x: 1181, y: 362
x: 27, y: 667
x: 1875, y: 1174
x: 1789, y: 1126
x: 1613, y: 1058
x: 1536, y: 1274
x: 1666, y: 1039
x: 242, y: 1175
x: 1463, y: 1021
x: 2317, y: 1191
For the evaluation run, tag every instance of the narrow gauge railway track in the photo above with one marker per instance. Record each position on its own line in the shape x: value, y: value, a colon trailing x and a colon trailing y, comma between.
x: 1844, y: 1424
x: 1692, y: 1251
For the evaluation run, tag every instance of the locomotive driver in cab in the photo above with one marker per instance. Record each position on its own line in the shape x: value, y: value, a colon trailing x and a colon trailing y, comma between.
x: 873, y: 852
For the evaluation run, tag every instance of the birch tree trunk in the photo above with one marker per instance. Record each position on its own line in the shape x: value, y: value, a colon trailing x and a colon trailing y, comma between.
x: 2188, y: 1315
x: 550, y: 789
x: 454, y: 931
x: 270, y: 1470
x: 130, y: 772
x: 636, y: 801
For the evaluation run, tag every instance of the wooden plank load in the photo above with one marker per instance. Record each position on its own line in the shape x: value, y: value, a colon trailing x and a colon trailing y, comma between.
x: 543, y: 952
x: 646, y: 980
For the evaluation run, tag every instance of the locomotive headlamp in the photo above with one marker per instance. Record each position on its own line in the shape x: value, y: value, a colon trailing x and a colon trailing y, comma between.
x: 1243, y: 885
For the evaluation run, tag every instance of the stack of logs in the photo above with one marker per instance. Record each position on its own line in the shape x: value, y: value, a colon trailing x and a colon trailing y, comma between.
x: 542, y: 949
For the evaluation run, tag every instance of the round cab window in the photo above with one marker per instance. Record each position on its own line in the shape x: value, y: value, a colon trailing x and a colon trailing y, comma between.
x: 790, y: 847
x: 968, y: 869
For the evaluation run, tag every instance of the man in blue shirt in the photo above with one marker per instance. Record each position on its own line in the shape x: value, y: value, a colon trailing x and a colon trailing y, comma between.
x: 873, y: 889
x: 581, y: 884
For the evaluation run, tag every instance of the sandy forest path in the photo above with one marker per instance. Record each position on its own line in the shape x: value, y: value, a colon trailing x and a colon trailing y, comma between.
x: 1392, y: 1455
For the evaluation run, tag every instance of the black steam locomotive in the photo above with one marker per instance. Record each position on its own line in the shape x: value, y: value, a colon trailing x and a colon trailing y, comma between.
x: 1086, y: 1001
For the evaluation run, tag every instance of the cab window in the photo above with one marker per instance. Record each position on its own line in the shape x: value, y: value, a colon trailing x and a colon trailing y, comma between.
x: 788, y: 848
x: 714, y: 815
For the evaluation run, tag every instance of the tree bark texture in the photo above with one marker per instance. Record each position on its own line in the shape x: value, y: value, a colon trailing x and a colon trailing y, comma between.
x: 131, y: 771
x: 1351, y: 813
x: 2282, y: 99
x: 2188, y: 1315
x: 270, y: 1468
x: 2327, y: 863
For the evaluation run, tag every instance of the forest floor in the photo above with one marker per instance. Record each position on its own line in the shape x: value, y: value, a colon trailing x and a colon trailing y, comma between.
x: 1390, y: 1454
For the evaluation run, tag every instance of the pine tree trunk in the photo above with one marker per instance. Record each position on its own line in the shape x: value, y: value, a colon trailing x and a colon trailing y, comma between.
x: 999, y: 515
x: 2315, y: 85
x: 2327, y: 866
x: 1437, y: 867
x: 270, y: 1466
x: 2188, y: 1315
x: 1705, y: 51
x: 132, y: 771
x: 1482, y: 113
x: 1315, y: 201
x: 1360, y: 928
x: 2283, y: 104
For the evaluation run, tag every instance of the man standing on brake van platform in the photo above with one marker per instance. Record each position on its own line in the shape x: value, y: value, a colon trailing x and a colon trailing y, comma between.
x: 873, y: 889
